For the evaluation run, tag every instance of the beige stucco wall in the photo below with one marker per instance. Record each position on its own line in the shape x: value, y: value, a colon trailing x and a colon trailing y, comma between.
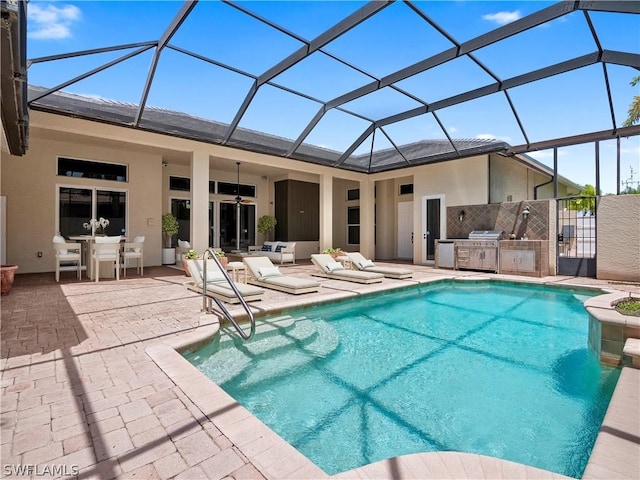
x: 618, y: 238
x: 460, y: 182
x: 510, y: 178
x: 30, y: 185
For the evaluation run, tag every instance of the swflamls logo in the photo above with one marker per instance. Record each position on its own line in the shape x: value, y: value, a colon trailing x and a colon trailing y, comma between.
x: 29, y: 470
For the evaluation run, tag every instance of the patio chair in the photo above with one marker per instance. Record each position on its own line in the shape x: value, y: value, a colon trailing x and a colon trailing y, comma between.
x: 265, y: 274
x: 183, y: 247
x: 329, y: 268
x: 106, y: 249
x: 133, y: 251
x: 365, y: 265
x: 217, y: 285
x: 68, y: 256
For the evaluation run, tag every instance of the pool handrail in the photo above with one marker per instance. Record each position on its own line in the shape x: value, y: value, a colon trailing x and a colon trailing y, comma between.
x: 208, y: 254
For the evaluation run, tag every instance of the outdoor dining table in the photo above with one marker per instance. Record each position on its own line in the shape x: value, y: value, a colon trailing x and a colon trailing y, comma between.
x: 87, y: 247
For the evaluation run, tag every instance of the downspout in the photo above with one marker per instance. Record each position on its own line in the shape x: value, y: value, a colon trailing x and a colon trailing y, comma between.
x: 535, y: 189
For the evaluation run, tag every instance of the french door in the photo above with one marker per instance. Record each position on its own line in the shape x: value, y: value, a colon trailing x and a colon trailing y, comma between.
x: 78, y: 205
x: 225, y: 217
x: 229, y: 226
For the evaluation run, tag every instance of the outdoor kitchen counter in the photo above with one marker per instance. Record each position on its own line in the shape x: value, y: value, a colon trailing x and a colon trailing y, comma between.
x: 524, y: 257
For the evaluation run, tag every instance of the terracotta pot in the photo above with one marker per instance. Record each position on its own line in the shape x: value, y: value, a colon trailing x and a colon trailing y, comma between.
x: 223, y: 261
x: 186, y: 269
x: 8, y: 273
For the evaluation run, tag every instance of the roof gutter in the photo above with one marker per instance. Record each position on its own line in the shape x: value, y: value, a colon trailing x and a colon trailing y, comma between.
x: 13, y: 76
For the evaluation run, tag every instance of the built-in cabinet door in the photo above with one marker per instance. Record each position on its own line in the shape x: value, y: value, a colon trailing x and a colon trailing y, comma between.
x: 518, y: 260
x: 526, y: 260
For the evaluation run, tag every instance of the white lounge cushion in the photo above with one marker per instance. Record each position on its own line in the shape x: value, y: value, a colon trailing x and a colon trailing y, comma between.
x: 183, y: 244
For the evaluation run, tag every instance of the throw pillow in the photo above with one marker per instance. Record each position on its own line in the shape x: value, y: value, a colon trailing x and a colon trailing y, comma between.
x: 60, y: 239
x: 269, y: 272
x: 333, y: 266
x: 266, y: 248
x: 279, y: 247
x: 366, y: 263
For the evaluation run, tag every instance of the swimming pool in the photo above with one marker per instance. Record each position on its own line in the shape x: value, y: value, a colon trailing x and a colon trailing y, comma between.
x: 488, y: 367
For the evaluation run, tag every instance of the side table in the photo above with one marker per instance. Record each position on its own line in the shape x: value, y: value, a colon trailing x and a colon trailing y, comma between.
x: 234, y: 268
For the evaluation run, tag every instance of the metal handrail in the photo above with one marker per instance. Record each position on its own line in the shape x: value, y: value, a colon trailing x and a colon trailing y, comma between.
x: 210, y: 252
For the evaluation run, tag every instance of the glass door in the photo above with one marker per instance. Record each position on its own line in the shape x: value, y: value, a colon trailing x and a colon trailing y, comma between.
x: 181, y: 209
x: 229, y: 226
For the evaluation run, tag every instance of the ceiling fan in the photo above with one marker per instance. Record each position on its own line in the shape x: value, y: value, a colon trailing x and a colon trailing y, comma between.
x: 238, y: 198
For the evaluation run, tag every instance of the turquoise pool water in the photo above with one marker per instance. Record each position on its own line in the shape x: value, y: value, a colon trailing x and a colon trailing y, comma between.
x: 491, y: 368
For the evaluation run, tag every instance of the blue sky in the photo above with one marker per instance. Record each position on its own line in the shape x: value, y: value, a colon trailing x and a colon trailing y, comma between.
x: 397, y: 37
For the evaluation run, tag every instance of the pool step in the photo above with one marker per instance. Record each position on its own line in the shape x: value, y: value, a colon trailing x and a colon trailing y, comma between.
x: 274, y: 346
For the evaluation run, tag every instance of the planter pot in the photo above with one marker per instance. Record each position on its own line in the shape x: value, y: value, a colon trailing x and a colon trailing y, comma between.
x: 223, y: 261
x: 186, y: 269
x: 8, y: 273
x: 168, y: 256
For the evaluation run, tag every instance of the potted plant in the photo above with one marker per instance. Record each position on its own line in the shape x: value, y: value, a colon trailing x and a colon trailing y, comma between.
x: 7, y: 273
x: 222, y: 258
x: 334, y: 252
x: 190, y: 255
x: 169, y: 229
x: 266, y: 225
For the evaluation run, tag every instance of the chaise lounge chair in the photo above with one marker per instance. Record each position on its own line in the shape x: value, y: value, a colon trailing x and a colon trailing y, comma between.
x: 365, y: 265
x: 329, y: 268
x: 217, y: 285
x: 265, y: 274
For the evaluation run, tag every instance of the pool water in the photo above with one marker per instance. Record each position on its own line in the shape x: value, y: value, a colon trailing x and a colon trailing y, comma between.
x: 491, y: 368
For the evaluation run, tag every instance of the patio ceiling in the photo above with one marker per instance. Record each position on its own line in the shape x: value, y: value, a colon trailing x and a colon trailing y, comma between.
x: 309, y: 82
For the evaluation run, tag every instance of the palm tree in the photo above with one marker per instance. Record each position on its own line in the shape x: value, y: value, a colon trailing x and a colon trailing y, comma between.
x: 634, y: 108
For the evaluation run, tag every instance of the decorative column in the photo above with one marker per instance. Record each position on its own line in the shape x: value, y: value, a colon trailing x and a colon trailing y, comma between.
x: 199, y: 201
x: 326, y: 211
x: 367, y: 218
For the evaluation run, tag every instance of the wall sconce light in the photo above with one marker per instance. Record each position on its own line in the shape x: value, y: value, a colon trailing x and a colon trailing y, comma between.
x: 461, y: 216
x: 525, y: 213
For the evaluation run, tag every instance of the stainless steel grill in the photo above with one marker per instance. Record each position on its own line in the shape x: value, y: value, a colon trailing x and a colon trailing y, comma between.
x: 479, y: 251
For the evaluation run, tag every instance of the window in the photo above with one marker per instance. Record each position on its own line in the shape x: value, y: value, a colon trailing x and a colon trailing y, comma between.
x: 353, y: 194
x: 212, y: 186
x: 77, y: 206
x: 406, y: 189
x: 70, y: 167
x: 181, y: 184
x: 225, y: 188
x: 353, y: 225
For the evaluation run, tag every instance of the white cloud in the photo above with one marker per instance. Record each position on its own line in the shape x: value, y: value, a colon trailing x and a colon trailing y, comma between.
x: 453, y: 129
x: 502, y: 18
x: 50, y: 22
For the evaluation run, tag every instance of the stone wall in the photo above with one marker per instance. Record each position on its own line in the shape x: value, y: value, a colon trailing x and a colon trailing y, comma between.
x: 618, y: 238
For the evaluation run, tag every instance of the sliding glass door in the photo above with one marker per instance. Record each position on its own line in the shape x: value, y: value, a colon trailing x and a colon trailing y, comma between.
x: 229, y: 226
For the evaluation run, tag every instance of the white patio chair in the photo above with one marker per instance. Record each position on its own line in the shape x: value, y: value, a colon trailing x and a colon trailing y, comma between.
x: 68, y: 256
x: 106, y: 249
x: 133, y: 251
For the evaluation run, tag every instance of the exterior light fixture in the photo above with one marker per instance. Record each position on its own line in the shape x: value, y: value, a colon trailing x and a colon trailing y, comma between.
x: 461, y: 216
x: 525, y: 213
